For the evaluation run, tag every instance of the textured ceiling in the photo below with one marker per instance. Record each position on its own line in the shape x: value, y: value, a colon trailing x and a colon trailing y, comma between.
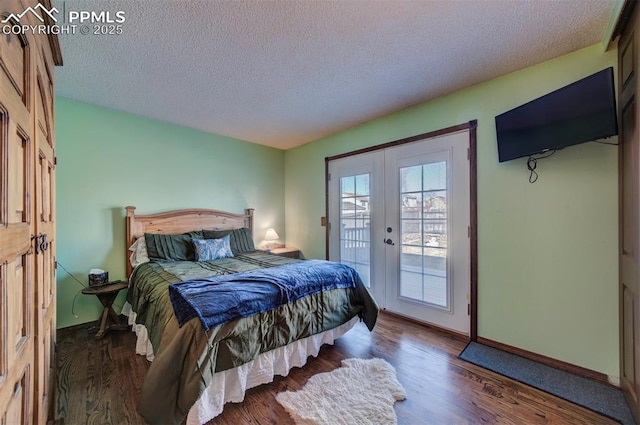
x: 284, y: 73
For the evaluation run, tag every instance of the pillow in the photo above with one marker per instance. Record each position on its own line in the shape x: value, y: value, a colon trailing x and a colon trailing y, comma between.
x: 240, y: 239
x: 171, y: 247
x: 138, y: 252
x: 212, y: 249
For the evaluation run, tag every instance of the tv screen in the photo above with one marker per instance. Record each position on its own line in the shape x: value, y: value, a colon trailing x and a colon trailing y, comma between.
x: 581, y: 112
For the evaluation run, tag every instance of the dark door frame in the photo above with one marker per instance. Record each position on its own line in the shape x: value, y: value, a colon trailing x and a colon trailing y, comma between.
x: 473, y: 191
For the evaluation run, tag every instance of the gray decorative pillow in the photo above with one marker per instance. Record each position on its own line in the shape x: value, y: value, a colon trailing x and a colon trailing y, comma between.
x: 212, y: 249
x: 240, y: 239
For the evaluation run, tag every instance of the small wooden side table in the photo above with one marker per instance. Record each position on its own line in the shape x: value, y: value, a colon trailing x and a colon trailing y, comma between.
x: 286, y: 251
x: 107, y: 294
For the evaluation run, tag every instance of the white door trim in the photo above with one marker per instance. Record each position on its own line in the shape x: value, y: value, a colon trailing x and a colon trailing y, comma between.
x: 473, y: 231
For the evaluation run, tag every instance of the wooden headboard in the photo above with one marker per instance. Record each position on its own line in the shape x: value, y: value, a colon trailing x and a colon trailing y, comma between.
x: 181, y: 221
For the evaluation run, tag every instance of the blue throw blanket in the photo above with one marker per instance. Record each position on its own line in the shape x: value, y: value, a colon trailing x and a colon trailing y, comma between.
x: 220, y: 299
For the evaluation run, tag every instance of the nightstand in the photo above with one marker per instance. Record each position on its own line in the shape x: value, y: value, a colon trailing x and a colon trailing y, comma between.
x: 287, y: 251
x: 107, y: 294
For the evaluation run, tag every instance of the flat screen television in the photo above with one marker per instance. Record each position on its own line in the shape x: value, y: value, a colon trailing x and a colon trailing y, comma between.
x: 581, y: 112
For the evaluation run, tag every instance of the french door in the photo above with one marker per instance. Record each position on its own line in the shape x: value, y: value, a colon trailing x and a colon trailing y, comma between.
x: 400, y: 216
x: 356, y: 217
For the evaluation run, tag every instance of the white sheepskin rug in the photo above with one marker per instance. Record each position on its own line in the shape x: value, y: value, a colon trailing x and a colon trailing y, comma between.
x: 361, y: 392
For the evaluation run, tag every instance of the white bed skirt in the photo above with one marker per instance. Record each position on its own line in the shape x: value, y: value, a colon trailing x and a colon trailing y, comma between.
x: 230, y: 385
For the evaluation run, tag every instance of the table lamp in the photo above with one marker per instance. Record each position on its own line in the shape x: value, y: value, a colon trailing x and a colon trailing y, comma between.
x: 270, y: 237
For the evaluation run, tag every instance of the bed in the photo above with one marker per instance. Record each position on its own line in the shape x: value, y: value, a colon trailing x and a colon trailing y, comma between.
x: 201, y: 360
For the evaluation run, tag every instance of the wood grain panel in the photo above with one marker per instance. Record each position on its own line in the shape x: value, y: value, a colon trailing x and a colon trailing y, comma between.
x: 50, y: 274
x: 43, y: 186
x: 49, y: 180
x: 45, y: 260
x: 42, y: 114
x: 20, y: 171
x: 21, y: 180
x: 19, y: 410
x: 629, y: 331
x: 629, y: 186
x: 48, y: 88
x: 3, y: 324
x: 627, y: 61
x: 16, y: 238
x: 47, y: 94
x: 20, y: 403
x: 14, y: 61
x: 19, y: 163
x: 4, y: 165
x: 44, y: 373
x: 20, y: 299
x: 186, y: 220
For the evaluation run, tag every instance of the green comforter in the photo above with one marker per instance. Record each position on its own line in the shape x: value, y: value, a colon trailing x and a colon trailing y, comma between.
x: 187, y: 357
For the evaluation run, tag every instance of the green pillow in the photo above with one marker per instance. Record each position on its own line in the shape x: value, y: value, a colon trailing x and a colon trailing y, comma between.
x: 171, y: 247
x: 240, y: 239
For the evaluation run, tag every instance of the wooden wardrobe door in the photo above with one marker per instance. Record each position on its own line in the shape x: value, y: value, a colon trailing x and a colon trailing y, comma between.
x: 45, y: 231
x: 27, y: 288
x: 629, y: 152
x: 17, y: 260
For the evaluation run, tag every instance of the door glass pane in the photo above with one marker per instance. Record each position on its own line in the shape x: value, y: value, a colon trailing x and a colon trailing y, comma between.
x: 355, y: 224
x: 423, y: 227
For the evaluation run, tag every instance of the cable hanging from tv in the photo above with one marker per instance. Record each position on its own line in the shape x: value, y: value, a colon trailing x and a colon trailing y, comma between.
x: 532, y: 163
x: 602, y: 142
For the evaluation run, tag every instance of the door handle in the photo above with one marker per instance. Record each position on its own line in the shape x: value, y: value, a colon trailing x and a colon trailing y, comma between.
x: 44, y: 243
x: 41, y: 242
x: 389, y: 242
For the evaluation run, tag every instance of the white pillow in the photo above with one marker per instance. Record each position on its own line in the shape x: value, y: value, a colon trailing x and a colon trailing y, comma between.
x: 138, y: 252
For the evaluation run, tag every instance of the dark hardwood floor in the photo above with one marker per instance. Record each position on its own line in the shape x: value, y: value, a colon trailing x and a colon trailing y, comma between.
x: 99, y: 381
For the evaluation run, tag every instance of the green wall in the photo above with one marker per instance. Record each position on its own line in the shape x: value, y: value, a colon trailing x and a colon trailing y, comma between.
x: 108, y: 160
x: 548, y: 265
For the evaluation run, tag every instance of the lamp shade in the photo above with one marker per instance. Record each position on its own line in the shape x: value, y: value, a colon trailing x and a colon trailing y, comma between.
x: 271, y: 235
